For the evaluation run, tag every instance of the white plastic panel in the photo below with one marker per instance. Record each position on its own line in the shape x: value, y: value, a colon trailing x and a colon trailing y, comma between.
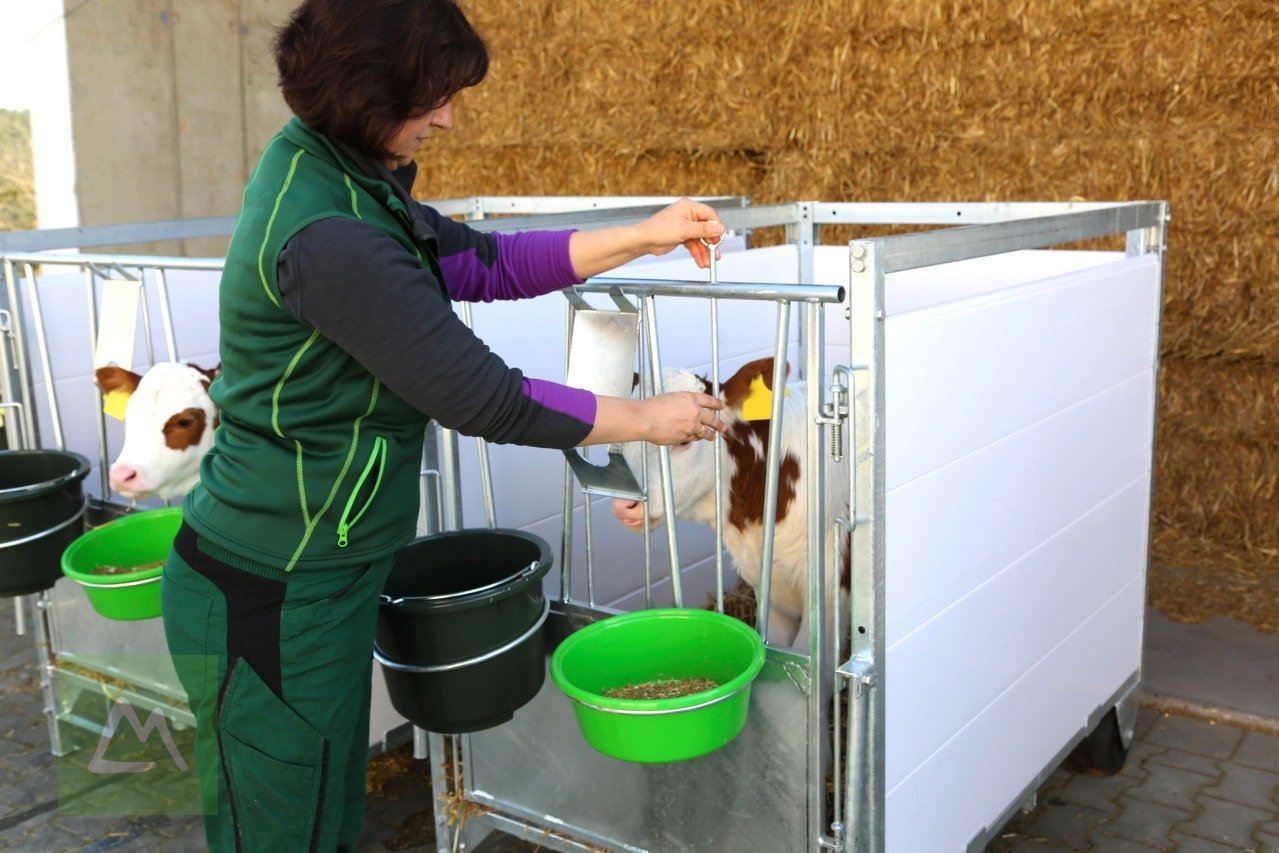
x: 953, y: 529
x: 944, y: 674
x: 979, y: 772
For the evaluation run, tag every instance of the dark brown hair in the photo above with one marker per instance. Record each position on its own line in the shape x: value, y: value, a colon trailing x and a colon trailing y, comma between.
x: 355, y: 70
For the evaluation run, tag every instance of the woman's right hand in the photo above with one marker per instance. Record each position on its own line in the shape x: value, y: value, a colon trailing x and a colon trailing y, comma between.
x: 671, y: 418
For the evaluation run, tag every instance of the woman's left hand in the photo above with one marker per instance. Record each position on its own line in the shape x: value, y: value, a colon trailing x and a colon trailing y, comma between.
x: 687, y: 223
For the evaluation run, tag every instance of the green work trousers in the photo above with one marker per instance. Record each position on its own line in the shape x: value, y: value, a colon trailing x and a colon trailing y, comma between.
x: 277, y: 675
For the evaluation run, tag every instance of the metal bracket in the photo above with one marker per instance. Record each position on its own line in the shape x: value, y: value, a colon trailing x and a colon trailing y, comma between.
x: 601, y: 358
x: 861, y: 672
x: 798, y: 674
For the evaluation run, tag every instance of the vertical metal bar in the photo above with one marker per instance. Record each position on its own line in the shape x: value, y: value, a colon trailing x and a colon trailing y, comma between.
x: 42, y: 346
x: 99, y: 417
x: 40, y: 606
x: 440, y: 788
x: 450, y: 480
x: 866, y: 788
x: 1144, y: 241
x: 481, y: 446
x: 25, y: 392
x: 819, y: 679
x: 805, y: 237
x: 146, y: 314
x: 645, y: 382
x: 719, y: 443
x: 166, y: 313
x: 19, y: 616
x: 719, y: 465
x: 566, y: 531
x: 432, y: 498
x: 664, y: 460
x: 771, y: 469
x: 590, y: 550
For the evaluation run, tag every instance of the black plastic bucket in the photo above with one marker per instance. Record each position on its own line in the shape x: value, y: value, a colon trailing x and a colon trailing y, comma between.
x: 41, y: 512
x: 460, y: 628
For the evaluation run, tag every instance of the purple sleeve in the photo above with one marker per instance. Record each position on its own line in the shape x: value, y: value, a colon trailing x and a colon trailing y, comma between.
x: 524, y: 265
x: 574, y: 402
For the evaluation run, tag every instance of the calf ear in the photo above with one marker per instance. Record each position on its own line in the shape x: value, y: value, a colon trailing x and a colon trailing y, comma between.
x: 114, y: 378
x: 738, y: 387
x: 210, y: 374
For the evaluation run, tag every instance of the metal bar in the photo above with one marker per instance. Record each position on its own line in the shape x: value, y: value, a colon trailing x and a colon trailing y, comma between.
x: 664, y: 458
x: 827, y: 293
x: 583, y: 219
x: 820, y: 693
x: 590, y: 550
x: 115, y: 235
x: 866, y: 790
x: 645, y: 385
x: 566, y: 534
x: 42, y: 347
x: 713, y: 271
x: 69, y: 259
x: 946, y: 213
x: 166, y: 313
x: 450, y: 480
x: 25, y: 390
x: 482, y: 446
x: 772, y: 470
x: 100, y: 417
x: 911, y: 251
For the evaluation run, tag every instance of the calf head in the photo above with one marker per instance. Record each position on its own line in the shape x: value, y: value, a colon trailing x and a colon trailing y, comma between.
x: 168, y: 426
x: 744, y: 454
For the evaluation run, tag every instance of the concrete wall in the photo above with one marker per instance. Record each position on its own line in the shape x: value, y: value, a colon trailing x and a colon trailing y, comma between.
x: 171, y: 103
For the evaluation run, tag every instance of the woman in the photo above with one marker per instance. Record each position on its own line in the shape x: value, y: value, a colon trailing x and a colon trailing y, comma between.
x: 338, y: 344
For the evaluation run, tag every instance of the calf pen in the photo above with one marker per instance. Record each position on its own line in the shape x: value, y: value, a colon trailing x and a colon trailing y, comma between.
x: 992, y: 401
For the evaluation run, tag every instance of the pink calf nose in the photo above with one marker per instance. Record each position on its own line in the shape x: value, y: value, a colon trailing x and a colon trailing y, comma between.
x: 125, y: 478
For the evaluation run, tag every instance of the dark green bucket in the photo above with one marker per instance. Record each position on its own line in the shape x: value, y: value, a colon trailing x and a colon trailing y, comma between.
x: 41, y: 512
x: 460, y: 628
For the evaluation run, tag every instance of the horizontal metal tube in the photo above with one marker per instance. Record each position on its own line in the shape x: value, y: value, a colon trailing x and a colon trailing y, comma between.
x: 947, y: 213
x: 911, y: 251
x: 115, y: 235
x: 826, y: 293
x: 171, y: 262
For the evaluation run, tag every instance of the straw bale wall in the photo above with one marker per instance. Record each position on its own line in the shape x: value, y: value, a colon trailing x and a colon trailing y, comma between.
x: 921, y: 100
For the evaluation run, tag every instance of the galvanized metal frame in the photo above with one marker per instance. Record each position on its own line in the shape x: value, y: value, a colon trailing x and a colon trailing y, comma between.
x: 972, y: 230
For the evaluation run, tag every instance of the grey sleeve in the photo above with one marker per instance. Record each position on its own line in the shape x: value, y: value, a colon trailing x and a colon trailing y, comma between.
x: 364, y: 291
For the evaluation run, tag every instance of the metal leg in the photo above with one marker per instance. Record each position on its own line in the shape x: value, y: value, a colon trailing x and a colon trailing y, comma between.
x: 19, y: 616
x: 40, y: 606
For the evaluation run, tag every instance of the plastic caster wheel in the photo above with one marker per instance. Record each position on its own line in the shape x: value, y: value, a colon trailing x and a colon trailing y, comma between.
x: 1105, y: 749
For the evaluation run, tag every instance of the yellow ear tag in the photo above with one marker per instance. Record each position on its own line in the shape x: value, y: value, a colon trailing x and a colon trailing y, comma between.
x: 758, y: 405
x: 114, y: 402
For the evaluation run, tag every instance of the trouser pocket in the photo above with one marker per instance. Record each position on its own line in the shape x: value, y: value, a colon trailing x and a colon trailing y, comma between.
x: 275, y: 763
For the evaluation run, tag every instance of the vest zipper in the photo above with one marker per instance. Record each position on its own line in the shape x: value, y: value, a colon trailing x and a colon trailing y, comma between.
x: 376, y: 458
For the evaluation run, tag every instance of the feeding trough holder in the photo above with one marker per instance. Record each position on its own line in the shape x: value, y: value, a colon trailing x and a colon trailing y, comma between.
x: 601, y: 353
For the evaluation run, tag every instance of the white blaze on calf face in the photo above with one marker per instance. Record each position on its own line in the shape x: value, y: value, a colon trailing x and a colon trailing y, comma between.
x: 168, y: 426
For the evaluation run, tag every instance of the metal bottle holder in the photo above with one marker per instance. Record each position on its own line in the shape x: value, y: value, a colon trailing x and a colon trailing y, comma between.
x: 601, y: 355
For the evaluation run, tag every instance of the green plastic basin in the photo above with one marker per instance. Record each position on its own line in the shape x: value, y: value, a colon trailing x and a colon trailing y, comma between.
x: 132, y: 540
x: 658, y: 645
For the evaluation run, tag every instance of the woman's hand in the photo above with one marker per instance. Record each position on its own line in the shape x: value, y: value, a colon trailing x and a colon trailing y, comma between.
x: 686, y: 222
x: 672, y: 418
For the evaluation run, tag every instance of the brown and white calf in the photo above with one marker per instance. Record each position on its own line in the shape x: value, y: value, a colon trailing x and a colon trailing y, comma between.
x: 168, y: 426
x: 744, y: 468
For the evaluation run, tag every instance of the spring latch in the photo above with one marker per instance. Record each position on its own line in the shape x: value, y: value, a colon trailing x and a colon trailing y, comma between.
x: 835, y: 412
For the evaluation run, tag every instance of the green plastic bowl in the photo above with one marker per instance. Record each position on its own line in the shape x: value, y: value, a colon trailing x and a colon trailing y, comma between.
x: 655, y: 645
x: 132, y: 540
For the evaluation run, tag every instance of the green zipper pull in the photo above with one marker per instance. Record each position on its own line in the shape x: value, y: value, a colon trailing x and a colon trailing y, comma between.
x: 343, y: 529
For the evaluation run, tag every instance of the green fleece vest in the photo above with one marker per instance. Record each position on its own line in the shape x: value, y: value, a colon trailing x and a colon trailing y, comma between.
x: 315, y: 463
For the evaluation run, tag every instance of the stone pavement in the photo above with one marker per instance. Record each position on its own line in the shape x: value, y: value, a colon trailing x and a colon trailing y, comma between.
x: 1190, y: 784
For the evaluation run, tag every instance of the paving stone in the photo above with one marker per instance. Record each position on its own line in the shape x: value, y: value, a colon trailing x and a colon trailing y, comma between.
x: 1139, y: 754
x: 1171, y: 786
x: 1248, y: 786
x: 1258, y: 750
x: 1225, y: 822
x: 1188, y: 761
x: 1098, y: 792
x: 1193, y: 844
x: 1062, y: 823
x: 1190, y: 735
x: 1269, y: 842
x: 1144, y: 822
x: 44, y: 835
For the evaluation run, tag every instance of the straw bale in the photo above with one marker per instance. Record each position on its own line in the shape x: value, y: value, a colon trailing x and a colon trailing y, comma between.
x: 918, y: 100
